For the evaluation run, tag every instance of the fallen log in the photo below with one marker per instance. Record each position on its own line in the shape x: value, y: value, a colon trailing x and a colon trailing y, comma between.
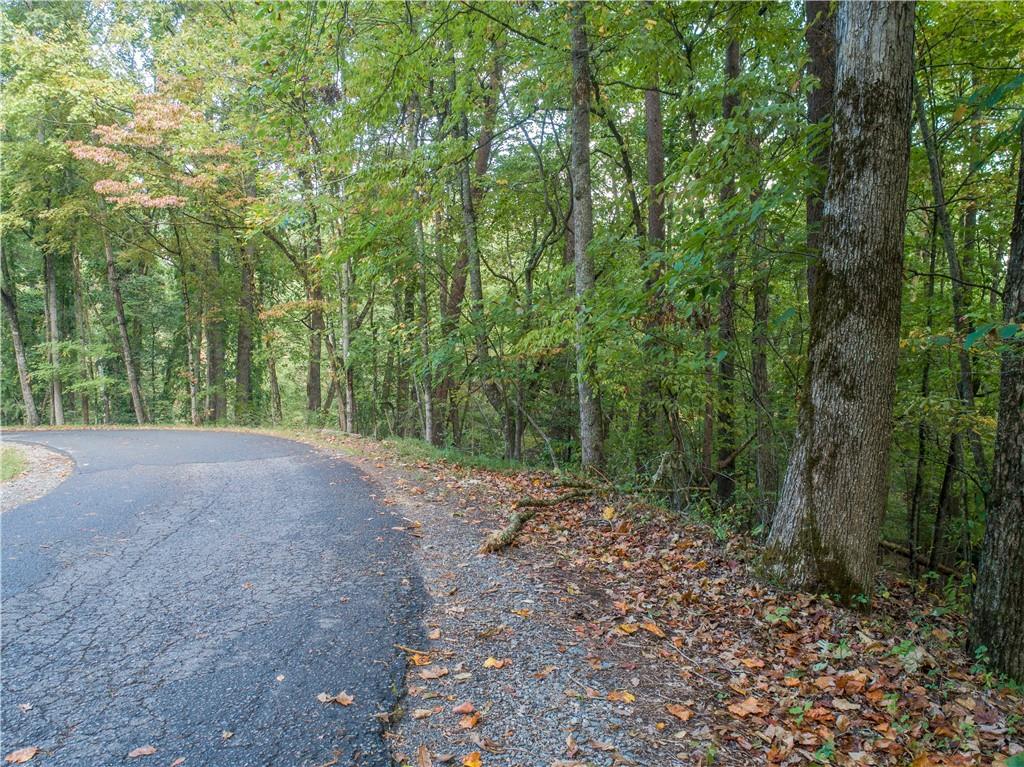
x: 500, y: 539
x: 903, y: 551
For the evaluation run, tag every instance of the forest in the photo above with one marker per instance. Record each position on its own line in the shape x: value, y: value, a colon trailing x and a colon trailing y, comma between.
x: 758, y: 261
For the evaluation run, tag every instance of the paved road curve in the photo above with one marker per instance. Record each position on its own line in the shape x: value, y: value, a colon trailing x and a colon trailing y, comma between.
x: 182, y: 585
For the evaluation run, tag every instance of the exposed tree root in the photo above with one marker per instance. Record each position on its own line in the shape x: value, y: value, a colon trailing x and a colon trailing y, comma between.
x: 500, y: 539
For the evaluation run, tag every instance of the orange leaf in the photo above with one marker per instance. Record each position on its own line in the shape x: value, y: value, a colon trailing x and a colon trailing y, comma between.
x: 652, y: 627
x: 135, y: 753
x: 621, y: 696
x: 679, y: 711
x: 472, y: 760
x: 469, y: 721
x: 464, y: 708
x: 746, y: 707
x: 22, y: 755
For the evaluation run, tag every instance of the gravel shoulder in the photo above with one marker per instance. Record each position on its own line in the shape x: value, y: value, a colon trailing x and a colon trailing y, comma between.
x: 46, y: 469
x: 512, y: 672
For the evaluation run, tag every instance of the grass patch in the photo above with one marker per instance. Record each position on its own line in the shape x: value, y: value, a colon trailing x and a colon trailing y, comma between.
x: 417, y: 450
x: 11, y: 463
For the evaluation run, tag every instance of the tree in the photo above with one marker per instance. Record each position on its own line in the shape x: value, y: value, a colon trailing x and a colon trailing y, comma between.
x: 997, y: 628
x: 725, y: 483
x: 826, y: 528
x: 10, y: 303
x: 591, y: 449
x: 821, y: 64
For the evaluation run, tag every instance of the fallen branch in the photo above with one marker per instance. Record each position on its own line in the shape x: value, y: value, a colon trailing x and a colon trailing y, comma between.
x: 500, y: 539
x: 895, y: 548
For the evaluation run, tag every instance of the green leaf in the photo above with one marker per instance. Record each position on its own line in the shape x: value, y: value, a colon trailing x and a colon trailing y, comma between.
x: 977, y: 335
x: 1009, y: 331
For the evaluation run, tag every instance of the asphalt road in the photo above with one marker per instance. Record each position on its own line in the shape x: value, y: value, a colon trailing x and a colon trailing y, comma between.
x: 183, y: 585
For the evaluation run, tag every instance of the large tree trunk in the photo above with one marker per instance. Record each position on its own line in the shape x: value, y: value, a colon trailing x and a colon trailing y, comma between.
x: 10, y: 304
x: 246, y: 318
x: 591, y: 447
x: 998, y: 621
x: 821, y: 64
x: 122, y: 329
x: 830, y: 511
x: 725, y: 483
x: 53, y: 337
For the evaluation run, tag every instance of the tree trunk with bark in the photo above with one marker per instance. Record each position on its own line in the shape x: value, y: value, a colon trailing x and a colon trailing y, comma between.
x: 998, y: 622
x: 216, y: 402
x: 10, y: 304
x: 826, y: 529
x: 53, y: 337
x: 82, y: 329
x: 122, y: 329
x: 725, y: 483
x: 246, y: 321
x: 591, y: 447
x: 766, y: 465
x: 821, y: 65
x: 965, y: 386
x: 315, y: 297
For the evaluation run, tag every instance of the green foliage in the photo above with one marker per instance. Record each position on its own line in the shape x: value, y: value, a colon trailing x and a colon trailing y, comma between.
x: 263, y: 168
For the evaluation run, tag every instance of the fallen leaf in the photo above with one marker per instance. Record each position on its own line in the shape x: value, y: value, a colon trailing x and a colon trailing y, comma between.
x: 628, y: 628
x: 545, y: 672
x: 435, y: 634
x: 495, y: 663
x: 423, y: 757
x: 135, y: 753
x: 178, y: 762
x: 652, y: 627
x: 433, y: 673
x: 22, y: 755
x: 422, y: 713
x: 472, y: 759
x: 227, y: 734
x: 608, y: 513
x: 746, y: 707
x: 469, y: 721
x: 679, y: 711
x: 342, y: 698
x: 464, y: 708
x: 621, y: 696
x: 280, y: 677
x: 844, y: 705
